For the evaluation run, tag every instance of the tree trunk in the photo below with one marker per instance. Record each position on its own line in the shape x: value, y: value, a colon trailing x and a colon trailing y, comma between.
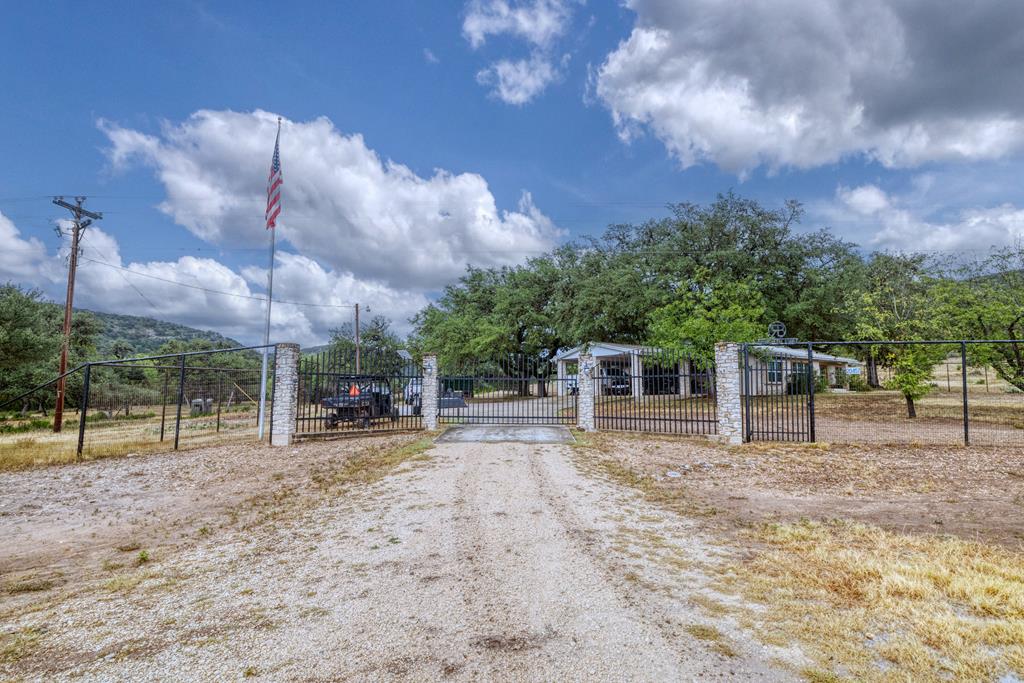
x: 873, y: 373
x: 911, y: 411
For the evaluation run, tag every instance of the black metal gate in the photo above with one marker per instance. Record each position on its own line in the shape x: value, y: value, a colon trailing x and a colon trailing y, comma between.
x: 342, y: 391
x: 514, y: 389
x: 777, y: 389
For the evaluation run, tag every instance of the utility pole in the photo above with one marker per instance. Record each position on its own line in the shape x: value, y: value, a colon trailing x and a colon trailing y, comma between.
x: 357, y: 339
x: 78, y: 227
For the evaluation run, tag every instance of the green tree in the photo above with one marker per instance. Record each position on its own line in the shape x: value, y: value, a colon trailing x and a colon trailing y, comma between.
x: 981, y: 299
x: 704, y: 315
x: 896, y: 304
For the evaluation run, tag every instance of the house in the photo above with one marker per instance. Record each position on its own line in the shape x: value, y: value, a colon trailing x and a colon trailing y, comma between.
x: 773, y: 368
x: 634, y: 370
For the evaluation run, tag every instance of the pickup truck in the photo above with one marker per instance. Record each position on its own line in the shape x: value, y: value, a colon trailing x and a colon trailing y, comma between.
x: 360, y: 400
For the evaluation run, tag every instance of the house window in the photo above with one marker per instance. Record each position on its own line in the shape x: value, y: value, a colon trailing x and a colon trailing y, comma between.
x: 775, y: 371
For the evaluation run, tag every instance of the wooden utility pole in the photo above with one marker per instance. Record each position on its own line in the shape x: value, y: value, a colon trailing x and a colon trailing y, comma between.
x: 78, y: 227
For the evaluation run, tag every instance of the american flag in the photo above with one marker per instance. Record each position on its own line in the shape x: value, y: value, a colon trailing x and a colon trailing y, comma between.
x: 274, y: 184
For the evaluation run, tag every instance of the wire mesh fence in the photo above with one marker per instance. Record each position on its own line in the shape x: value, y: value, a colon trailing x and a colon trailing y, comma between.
x: 515, y: 389
x: 122, y: 406
x: 654, y: 390
x: 345, y: 391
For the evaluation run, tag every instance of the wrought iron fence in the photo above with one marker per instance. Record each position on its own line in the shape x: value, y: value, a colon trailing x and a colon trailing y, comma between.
x: 511, y: 389
x: 121, y: 406
x: 654, y: 390
x: 929, y: 392
x: 344, y: 392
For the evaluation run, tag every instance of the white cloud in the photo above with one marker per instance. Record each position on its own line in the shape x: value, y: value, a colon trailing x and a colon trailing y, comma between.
x: 342, y: 203
x: 21, y: 259
x: 216, y: 297
x: 540, y: 23
x: 901, y: 222
x: 430, y: 57
x: 806, y: 82
x: 518, y: 82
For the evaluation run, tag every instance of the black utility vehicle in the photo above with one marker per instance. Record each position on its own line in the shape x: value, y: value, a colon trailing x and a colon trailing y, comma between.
x: 360, y: 400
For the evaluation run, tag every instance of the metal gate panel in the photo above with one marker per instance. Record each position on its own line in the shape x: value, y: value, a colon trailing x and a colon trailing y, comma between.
x: 778, y: 393
x: 508, y: 390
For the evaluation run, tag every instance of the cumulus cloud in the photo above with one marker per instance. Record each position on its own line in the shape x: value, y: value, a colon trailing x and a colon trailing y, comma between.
x: 343, y: 204
x: 23, y: 259
x: 202, y: 292
x: 539, y: 23
x: 520, y: 81
x: 901, y: 222
x: 806, y: 82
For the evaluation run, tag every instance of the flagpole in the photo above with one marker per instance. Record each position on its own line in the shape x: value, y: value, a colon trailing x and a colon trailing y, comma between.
x: 266, y: 329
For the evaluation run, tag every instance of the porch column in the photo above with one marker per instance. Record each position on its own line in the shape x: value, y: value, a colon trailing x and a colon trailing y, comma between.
x: 685, y: 368
x: 729, y: 406
x: 562, y: 376
x: 636, y: 372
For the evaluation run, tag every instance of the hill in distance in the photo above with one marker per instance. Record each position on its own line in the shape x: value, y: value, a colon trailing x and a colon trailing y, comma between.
x: 146, y: 335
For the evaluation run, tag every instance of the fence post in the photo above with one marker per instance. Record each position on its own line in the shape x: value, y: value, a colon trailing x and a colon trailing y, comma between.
x: 810, y: 391
x: 285, y: 398
x: 429, y: 391
x: 163, y: 404
x: 727, y: 392
x: 181, y: 397
x: 585, y: 393
x: 963, y: 379
x: 83, y: 412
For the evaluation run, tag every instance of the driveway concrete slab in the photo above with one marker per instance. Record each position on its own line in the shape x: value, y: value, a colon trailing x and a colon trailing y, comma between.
x: 504, y: 433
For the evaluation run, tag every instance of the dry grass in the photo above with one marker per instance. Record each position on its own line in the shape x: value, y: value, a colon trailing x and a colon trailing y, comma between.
x: 373, y: 464
x: 111, y: 439
x: 876, y: 605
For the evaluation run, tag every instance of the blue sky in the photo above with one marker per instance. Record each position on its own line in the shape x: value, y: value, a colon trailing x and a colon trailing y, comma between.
x: 896, y: 126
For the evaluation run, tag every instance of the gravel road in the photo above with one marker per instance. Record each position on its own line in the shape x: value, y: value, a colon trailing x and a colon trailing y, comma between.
x: 484, y: 561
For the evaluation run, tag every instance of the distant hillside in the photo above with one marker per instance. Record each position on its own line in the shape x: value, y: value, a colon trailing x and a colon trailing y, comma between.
x: 146, y: 335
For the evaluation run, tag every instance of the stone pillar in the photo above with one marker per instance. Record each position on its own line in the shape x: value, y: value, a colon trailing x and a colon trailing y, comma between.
x: 585, y: 397
x: 286, y: 394
x: 728, y: 380
x: 428, y: 393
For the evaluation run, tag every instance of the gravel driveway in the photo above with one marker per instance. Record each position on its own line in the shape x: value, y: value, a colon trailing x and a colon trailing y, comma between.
x: 482, y: 561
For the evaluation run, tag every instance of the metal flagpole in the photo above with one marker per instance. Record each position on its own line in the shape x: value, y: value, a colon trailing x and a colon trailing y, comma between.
x: 270, y: 299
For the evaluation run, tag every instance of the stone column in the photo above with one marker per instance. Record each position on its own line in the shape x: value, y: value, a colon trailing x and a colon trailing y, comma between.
x: 428, y: 392
x: 286, y: 394
x: 585, y: 396
x: 728, y: 380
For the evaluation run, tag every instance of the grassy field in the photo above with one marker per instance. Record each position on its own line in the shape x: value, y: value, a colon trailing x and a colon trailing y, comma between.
x: 38, y: 445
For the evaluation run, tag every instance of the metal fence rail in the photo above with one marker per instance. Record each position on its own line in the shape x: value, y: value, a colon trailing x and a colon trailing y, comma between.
x: 655, y: 390
x: 342, y: 392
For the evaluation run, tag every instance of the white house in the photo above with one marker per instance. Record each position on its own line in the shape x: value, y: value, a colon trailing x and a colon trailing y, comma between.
x: 634, y: 370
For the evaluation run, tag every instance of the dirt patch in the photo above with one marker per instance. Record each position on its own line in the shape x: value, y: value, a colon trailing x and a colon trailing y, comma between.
x: 973, y: 493
x: 63, y: 519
